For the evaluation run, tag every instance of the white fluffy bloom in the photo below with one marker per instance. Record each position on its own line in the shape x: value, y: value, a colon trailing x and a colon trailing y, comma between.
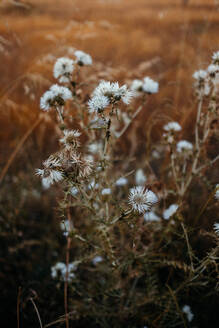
x: 141, y: 199
x: 98, y: 103
x: 56, y: 95
x: 46, y: 100
x: 93, y: 185
x: 217, y: 192
x: 184, y: 146
x: 113, y: 92
x: 121, y: 182
x: 200, y: 75
x: 60, y: 268
x: 74, y: 191
x: 172, y: 126
x: 105, y: 88
x: 187, y: 310
x: 213, y: 69
x: 151, y: 216
x: 49, y: 176
x: 63, y: 69
x: 202, y: 82
x: 82, y: 58
x: 150, y: 86
x: 137, y: 86
x: 170, y: 211
x: 216, y: 228
x: 51, y: 172
x: 70, y: 139
x: 60, y: 91
x: 215, y: 57
x: 97, y: 259
x: 106, y: 191
x: 140, y: 177
x: 125, y: 94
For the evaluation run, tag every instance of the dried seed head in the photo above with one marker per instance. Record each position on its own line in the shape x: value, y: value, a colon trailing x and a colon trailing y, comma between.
x: 70, y: 139
x: 141, y: 199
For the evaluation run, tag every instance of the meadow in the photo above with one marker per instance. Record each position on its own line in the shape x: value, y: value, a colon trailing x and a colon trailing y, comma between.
x: 83, y: 251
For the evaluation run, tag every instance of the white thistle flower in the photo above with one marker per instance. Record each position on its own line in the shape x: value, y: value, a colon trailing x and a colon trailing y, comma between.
x: 200, y: 75
x: 137, y: 86
x: 141, y: 199
x: 121, y: 182
x: 113, y: 92
x: 151, y: 216
x: 140, y: 177
x: 106, y: 191
x: 51, y: 173
x: 98, y: 103
x: 216, y: 228
x: 61, y: 268
x: 170, y: 211
x: 74, y: 191
x: 172, y: 126
x: 70, y: 139
x: 217, y: 192
x: 184, y: 146
x: 213, y: 69
x: 93, y: 185
x: 46, y: 100
x: 125, y: 94
x: 49, y: 176
x: 56, y: 95
x: 63, y: 69
x: 202, y: 82
x: 60, y: 91
x: 187, y: 310
x: 97, y: 259
x: 150, y: 86
x: 82, y: 58
x: 215, y: 57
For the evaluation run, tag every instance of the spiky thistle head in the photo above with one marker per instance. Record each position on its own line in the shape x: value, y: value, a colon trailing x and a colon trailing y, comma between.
x: 70, y: 139
x: 141, y: 199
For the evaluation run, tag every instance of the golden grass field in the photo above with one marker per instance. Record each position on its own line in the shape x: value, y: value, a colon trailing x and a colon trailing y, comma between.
x: 127, y: 39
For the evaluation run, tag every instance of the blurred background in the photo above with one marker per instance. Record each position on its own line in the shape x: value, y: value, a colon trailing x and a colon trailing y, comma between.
x: 127, y: 39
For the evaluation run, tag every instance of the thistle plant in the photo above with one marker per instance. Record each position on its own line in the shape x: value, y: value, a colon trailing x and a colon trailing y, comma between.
x: 107, y: 206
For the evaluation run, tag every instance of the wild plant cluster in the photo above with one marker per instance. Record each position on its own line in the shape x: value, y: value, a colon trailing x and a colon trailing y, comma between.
x: 133, y: 253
